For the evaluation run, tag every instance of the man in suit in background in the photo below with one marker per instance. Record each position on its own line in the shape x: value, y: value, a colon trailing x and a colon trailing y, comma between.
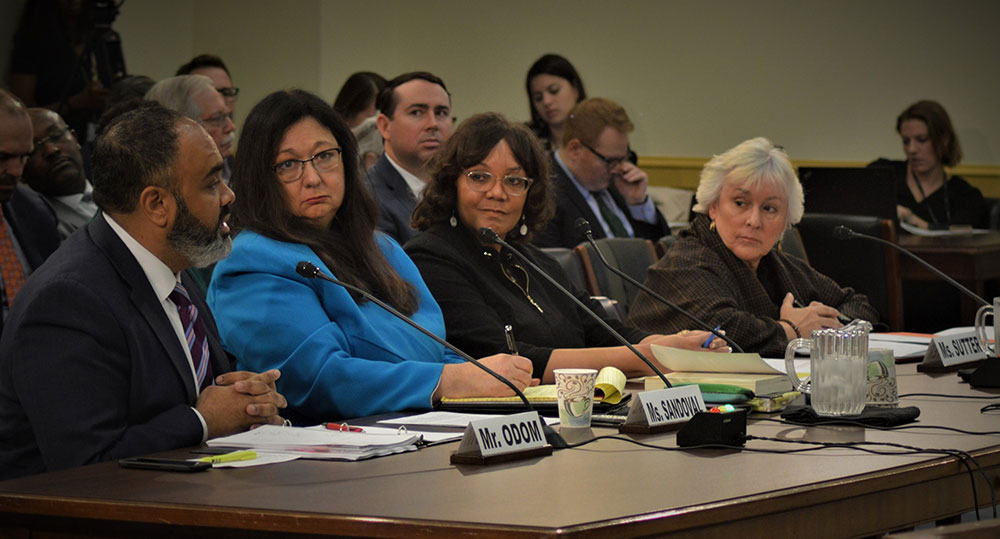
x: 415, y: 121
x: 109, y: 351
x: 594, y: 179
x: 27, y: 225
x: 55, y: 171
x: 195, y: 96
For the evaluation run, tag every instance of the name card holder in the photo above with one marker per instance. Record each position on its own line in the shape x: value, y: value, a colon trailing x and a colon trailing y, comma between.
x: 502, y: 439
x: 662, y: 410
x: 948, y: 352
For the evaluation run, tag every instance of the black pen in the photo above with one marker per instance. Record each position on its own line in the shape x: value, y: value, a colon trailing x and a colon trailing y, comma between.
x: 843, y: 319
x: 508, y: 331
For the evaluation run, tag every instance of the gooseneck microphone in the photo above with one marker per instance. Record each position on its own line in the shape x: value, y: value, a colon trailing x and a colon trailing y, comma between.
x: 841, y: 232
x: 487, y: 236
x: 583, y: 226
x: 309, y: 270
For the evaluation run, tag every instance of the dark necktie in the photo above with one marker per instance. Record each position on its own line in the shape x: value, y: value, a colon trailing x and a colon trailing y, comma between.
x: 10, y: 267
x: 610, y: 217
x: 194, y: 332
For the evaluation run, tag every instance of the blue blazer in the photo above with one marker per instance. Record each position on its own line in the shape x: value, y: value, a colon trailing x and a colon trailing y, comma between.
x: 395, y: 200
x: 338, y: 358
x: 90, y: 367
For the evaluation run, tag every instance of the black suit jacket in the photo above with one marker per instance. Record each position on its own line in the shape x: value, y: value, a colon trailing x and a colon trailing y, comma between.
x: 90, y: 367
x: 394, y: 198
x: 35, y: 226
x: 570, y: 206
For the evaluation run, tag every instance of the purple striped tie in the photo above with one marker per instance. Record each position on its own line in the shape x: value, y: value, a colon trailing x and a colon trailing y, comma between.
x: 194, y: 332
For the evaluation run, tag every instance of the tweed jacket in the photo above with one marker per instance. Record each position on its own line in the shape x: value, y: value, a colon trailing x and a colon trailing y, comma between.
x: 704, y: 277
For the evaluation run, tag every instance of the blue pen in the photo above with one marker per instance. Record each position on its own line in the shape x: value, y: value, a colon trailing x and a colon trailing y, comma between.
x: 710, y: 338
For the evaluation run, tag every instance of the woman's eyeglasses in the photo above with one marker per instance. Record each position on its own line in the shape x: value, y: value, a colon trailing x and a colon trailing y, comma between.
x: 482, y: 181
x: 290, y: 170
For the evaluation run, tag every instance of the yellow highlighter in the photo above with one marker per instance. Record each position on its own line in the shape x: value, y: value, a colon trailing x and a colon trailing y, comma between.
x: 235, y: 456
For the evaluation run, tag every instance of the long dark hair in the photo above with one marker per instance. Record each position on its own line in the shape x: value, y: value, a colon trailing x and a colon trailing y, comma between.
x: 358, y: 91
x: 468, y: 146
x: 550, y: 64
x: 348, y: 247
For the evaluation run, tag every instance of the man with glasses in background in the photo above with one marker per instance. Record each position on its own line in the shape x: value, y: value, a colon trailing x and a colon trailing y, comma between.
x: 55, y: 171
x: 595, y: 179
x: 214, y: 68
x: 196, y: 97
x: 27, y: 225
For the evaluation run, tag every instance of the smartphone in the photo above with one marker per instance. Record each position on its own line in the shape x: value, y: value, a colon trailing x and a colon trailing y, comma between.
x: 167, y: 465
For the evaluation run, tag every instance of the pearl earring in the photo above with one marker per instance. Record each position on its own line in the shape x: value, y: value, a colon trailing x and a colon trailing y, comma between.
x: 453, y: 221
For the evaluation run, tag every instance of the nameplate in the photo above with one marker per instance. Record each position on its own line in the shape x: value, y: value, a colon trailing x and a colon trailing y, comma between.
x: 663, y: 409
x: 502, y: 435
x: 954, y: 349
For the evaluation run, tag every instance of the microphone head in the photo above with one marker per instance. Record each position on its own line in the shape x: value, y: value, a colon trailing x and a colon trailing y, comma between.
x: 583, y: 227
x: 487, y: 236
x: 307, y: 269
x: 841, y: 232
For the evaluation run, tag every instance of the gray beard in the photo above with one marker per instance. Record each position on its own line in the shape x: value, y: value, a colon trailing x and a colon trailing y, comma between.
x: 200, y: 245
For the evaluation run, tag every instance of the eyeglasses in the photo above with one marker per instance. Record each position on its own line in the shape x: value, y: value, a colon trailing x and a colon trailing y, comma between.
x: 482, y: 181
x: 218, y: 121
x: 291, y: 170
x: 229, y: 93
x: 611, y: 162
x: 55, y: 137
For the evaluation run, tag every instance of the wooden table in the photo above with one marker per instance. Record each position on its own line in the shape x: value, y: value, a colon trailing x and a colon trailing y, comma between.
x: 971, y: 259
x: 608, y: 487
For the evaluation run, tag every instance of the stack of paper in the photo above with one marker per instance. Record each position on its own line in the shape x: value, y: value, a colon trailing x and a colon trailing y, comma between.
x: 311, y: 443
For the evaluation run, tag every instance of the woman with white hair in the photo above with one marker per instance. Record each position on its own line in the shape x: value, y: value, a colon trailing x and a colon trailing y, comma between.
x: 728, y: 268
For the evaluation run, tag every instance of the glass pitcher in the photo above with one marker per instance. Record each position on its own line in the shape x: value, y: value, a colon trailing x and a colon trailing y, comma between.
x: 837, y: 368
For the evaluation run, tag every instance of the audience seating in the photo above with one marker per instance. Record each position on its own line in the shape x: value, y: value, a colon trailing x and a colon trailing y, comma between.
x: 570, y: 262
x: 631, y: 255
x: 866, y: 267
x: 791, y: 244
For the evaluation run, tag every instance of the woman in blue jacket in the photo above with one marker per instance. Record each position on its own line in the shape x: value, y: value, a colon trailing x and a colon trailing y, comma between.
x: 300, y: 197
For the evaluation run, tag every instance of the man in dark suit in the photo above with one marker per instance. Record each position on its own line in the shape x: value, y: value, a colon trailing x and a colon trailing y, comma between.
x: 105, y: 355
x: 55, y: 171
x: 27, y: 225
x: 594, y: 179
x: 415, y: 120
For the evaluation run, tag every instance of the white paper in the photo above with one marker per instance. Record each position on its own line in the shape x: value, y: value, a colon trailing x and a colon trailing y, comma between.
x: 891, y: 337
x: 448, y: 419
x: 801, y: 366
x: 262, y: 459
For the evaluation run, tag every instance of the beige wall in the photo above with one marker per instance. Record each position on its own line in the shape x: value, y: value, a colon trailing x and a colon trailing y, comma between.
x: 823, y: 78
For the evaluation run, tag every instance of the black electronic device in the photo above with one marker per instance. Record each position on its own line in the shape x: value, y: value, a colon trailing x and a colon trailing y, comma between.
x: 165, y: 465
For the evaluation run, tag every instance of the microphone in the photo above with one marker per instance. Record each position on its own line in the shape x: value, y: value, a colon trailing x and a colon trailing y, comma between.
x: 841, y: 232
x: 583, y: 227
x: 487, y: 236
x: 310, y: 271
x: 987, y: 374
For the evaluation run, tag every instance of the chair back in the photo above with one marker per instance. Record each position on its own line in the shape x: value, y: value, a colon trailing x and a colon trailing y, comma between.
x: 868, y: 268
x: 570, y: 263
x: 663, y: 245
x: 631, y: 255
x: 791, y: 244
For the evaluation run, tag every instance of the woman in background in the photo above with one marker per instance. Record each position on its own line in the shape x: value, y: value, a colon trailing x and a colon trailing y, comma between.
x: 554, y: 88
x: 355, y: 103
x: 926, y: 195
x: 493, y: 174
x: 341, y: 355
x: 726, y: 270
